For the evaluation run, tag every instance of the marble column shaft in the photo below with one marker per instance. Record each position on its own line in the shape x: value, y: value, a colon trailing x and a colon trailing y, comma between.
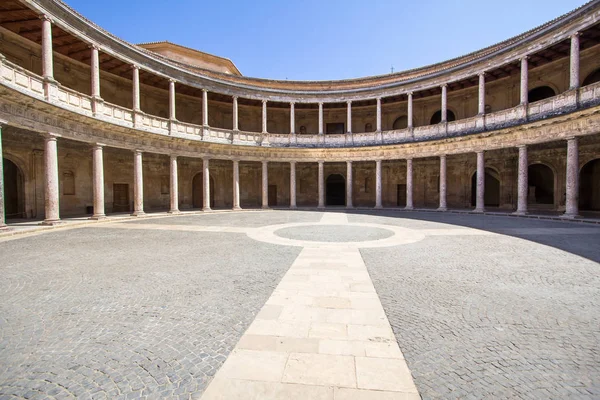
x: 321, y: 119
x: 443, y: 182
x: 95, y: 70
x: 264, y: 116
x: 444, y: 103
x: 572, y: 189
x: 51, y: 183
x: 524, y: 81
x: 236, y: 185
x: 349, y: 183
x: 410, y: 110
x: 480, y: 192
x: 174, y: 182
x: 409, y: 184
x: 378, y: 184
x: 205, y: 108
x: 205, y: 184
x: 47, y: 59
x: 292, y: 184
x: 481, y: 97
x: 321, y: 186
x: 349, y: 117
x: 292, y: 118
x: 2, y: 209
x: 378, y: 114
x: 265, y: 184
x: 136, y: 88
x: 138, y: 184
x: 522, y: 181
x: 172, y: 112
x: 574, y: 65
x: 236, y: 121
x: 98, y: 181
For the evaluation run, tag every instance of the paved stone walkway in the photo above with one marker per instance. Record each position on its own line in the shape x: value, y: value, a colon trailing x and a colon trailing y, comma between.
x: 480, y: 306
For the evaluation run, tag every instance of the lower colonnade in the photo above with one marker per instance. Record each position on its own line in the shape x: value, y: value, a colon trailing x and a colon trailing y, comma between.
x: 341, y: 191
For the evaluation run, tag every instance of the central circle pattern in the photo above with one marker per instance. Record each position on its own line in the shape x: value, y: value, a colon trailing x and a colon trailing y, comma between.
x: 334, y: 233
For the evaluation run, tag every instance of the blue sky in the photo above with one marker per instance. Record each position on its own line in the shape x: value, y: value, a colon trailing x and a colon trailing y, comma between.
x: 324, y: 39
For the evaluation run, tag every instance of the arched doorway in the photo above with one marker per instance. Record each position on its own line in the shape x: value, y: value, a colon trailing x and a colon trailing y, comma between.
x: 400, y: 123
x: 541, y: 184
x: 592, y: 78
x: 436, y: 118
x: 335, y: 192
x: 589, y: 186
x: 198, y: 192
x: 540, y: 93
x: 13, y: 190
x: 491, y: 197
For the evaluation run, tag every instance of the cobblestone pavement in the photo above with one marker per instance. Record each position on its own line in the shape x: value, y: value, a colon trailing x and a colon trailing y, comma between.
x: 494, y: 316
x: 107, y: 313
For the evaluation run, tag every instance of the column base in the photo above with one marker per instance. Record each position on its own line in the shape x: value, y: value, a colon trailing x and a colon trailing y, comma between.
x: 173, y: 212
x: 51, y: 222
x: 570, y: 216
x: 520, y: 213
x: 378, y: 207
x: 138, y: 214
x: 293, y: 207
x: 350, y: 207
x: 320, y: 207
x: 265, y: 207
x: 98, y: 217
x: 206, y: 209
x: 479, y: 210
x: 442, y: 208
x: 238, y: 208
x: 409, y: 208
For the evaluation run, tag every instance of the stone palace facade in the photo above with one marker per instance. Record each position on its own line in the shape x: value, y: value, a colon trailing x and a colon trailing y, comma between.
x: 91, y: 124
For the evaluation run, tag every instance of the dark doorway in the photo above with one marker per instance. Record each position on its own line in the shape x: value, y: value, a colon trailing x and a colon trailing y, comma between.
x: 400, y: 123
x: 121, y: 197
x: 491, y: 196
x: 541, y: 184
x: 198, y: 191
x: 589, y: 186
x: 335, y: 128
x: 436, y: 118
x: 272, y: 195
x: 540, y: 93
x: 401, y: 195
x: 13, y: 190
x: 336, y: 190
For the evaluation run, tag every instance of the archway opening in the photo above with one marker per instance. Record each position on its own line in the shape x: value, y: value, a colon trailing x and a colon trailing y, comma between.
x: 491, y: 196
x: 13, y: 190
x: 589, y: 186
x: 436, y: 118
x: 335, y: 193
x: 400, y: 123
x: 198, y: 192
x: 540, y: 93
x: 592, y: 78
x: 541, y: 184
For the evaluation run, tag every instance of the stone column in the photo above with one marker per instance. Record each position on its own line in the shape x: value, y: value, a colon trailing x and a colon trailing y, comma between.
x: 410, y: 110
x: 523, y: 184
x: 409, y: 184
x: 443, y: 182
x: 349, y: 116
x: 265, y: 184
x: 98, y: 181
x: 444, y: 103
x: 136, y: 88
x: 480, y: 199
x: 174, y: 181
x: 206, y: 184
x: 572, y: 203
x: 172, y: 115
x: 47, y: 60
x: 236, y: 126
x: 574, y: 75
x: 264, y: 116
x: 321, y: 118
x: 378, y: 124
x: 2, y: 211
x: 205, y: 109
x: 95, y: 69
x: 378, y: 184
x: 481, y: 107
x: 321, y: 186
x: 236, y: 185
x: 524, y: 81
x: 51, y: 189
x: 292, y: 118
x: 293, y: 184
x: 138, y: 184
x: 349, y: 183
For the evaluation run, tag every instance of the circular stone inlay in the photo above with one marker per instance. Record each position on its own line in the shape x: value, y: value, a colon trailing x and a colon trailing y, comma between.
x: 334, y: 233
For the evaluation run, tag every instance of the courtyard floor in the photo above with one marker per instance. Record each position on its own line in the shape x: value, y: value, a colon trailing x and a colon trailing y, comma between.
x: 302, y: 305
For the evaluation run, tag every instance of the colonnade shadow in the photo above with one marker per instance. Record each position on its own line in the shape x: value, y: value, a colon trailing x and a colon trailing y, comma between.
x: 574, y: 237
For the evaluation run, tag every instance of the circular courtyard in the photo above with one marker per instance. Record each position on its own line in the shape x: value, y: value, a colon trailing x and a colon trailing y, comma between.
x: 480, y: 306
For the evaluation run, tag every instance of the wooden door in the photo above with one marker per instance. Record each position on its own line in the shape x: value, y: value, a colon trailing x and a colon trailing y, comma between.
x: 272, y: 195
x: 121, y: 197
x: 401, y: 195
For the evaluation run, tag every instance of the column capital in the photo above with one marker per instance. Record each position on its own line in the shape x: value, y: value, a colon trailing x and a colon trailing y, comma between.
x: 320, y: 103
x: 99, y: 145
x: 171, y: 80
x: 293, y: 162
x: 348, y: 161
x: 235, y: 97
x: 264, y: 101
x: 410, y: 93
x: 320, y: 161
x: 571, y: 138
x: 45, y: 17
x: 94, y: 46
x: 445, y: 85
x: 482, y: 73
x: 206, y: 158
x: 522, y: 146
x: 292, y: 103
x: 349, y: 102
x: 173, y: 156
x: 443, y: 155
x: 378, y: 99
x: 134, y: 66
x: 138, y: 151
x: 264, y: 162
x: 205, y: 90
x: 52, y: 136
x: 574, y: 34
x: 480, y: 151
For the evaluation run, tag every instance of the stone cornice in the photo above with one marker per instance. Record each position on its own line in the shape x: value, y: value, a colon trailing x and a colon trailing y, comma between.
x: 358, y: 89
